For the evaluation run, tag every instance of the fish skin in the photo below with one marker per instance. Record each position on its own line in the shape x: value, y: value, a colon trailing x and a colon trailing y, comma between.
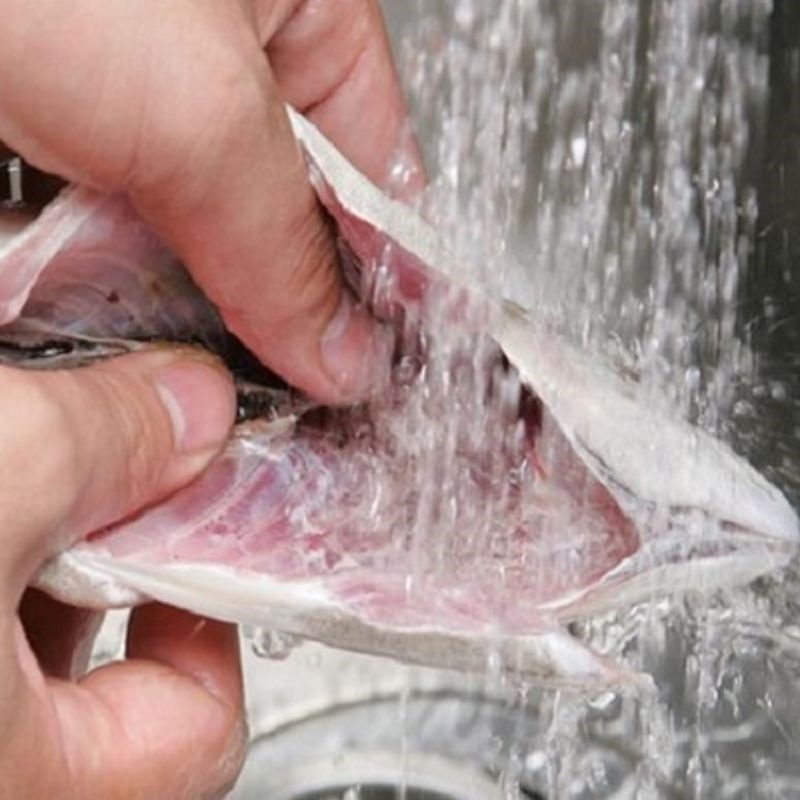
x: 27, y: 254
x: 98, y: 271
x: 313, y: 571
x: 688, y: 532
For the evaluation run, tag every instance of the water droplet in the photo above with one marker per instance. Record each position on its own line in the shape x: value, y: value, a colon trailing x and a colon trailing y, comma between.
x: 692, y: 378
x: 778, y: 391
x: 536, y: 761
x: 274, y: 645
x: 577, y: 149
x: 607, y: 704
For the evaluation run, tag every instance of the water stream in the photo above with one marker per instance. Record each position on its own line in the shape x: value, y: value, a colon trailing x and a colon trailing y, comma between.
x: 628, y: 170
x: 625, y: 169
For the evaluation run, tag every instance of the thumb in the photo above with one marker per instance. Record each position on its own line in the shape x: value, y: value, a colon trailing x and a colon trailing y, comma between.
x: 80, y: 449
x: 167, y: 723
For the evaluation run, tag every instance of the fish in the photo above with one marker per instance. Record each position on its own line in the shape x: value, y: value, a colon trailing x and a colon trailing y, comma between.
x: 306, y: 523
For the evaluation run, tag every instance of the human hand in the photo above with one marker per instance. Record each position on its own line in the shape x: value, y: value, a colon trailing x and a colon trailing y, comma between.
x: 78, y: 450
x: 180, y: 105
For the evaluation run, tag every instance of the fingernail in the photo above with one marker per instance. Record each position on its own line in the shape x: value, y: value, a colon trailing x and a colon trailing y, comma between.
x: 201, y: 402
x: 356, y: 350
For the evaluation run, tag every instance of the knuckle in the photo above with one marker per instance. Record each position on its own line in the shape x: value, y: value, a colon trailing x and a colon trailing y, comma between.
x: 315, y: 22
x: 339, y: 33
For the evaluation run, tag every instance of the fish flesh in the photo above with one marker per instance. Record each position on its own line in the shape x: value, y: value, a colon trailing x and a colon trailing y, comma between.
x: 304, y: 524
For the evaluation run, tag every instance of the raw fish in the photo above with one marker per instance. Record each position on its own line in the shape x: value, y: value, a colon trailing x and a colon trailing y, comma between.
x: 303, y: 525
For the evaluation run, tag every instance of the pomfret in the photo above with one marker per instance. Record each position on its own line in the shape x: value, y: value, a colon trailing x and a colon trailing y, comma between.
x: 606, y: 503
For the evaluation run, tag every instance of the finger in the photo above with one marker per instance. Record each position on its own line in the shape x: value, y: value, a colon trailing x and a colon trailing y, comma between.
x: 333, y: 62
x: 204, y: 154
x: 175, y: 103
x: 164, y: 725
x: 243, y: 215
x: 61, y: 636
x: 82, y: 448
x: 205, y: 649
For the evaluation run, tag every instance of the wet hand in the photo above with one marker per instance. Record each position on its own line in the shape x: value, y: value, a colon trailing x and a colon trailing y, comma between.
x: 180, y: 104
x: 79, y: 450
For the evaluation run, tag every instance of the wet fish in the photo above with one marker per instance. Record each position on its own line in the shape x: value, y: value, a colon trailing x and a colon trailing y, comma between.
x: 298, y: 526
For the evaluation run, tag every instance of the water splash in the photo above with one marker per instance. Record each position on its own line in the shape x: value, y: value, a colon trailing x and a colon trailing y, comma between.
x: 274, y: 645
x: 598, y: 162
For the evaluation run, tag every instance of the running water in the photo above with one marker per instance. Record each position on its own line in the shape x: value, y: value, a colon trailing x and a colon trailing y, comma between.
x: 597, y: 162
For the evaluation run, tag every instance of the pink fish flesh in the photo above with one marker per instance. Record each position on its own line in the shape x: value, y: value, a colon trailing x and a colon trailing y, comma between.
x: 304, y: 524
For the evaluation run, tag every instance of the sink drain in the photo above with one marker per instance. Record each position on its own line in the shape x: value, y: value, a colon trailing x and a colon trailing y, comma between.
x: 375, y: 793
x: 373, y: 776
x: 373, y: 742
x: 388, y: 793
